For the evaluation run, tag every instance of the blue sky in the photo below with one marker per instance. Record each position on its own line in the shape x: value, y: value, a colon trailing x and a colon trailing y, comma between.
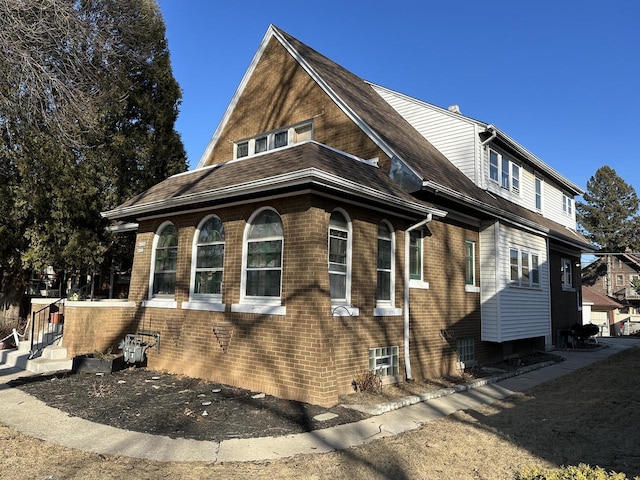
x: 561, y: 77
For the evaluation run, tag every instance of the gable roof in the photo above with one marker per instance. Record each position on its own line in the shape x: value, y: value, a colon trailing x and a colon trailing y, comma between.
x: 590, y: 295
x: 412, y: 154
x: 288, y: 170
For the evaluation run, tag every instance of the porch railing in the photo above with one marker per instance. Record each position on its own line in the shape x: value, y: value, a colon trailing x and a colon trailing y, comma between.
x: 47, y: 326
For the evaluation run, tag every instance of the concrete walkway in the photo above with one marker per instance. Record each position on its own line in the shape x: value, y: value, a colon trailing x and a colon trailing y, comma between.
x: 34, y: 418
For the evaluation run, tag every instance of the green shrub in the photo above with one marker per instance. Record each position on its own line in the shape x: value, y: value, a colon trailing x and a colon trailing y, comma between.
x: 581, y: 472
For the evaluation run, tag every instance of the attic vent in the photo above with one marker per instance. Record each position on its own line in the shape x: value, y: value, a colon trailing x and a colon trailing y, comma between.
x: 454, y: 108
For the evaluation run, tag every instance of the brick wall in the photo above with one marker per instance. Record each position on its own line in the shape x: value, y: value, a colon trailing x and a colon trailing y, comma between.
x: 290, y: 97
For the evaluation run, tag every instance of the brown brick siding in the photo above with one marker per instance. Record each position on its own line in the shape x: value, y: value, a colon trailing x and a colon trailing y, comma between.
x: 308, y: 354
x: 290, y: 97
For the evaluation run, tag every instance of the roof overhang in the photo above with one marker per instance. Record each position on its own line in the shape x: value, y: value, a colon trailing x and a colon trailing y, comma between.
x: 294, y: 182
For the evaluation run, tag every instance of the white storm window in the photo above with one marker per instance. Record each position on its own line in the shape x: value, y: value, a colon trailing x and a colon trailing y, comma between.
x: 385, y: 265
x: 538, y: 184
x: 470, y: 263
x: 567, y: 274
x: 567, y: 204
x: 339, y: 258
x: 209, y: 260
x: 165, y: 260
x: 263, y: 260
x: 504, y: 172
x: 524, y: 268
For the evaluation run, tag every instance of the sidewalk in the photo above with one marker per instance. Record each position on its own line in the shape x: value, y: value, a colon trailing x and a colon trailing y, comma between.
x: 34, y: 418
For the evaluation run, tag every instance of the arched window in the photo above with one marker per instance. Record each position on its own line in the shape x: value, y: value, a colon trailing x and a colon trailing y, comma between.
x: 165, y: 261
x: 339, y: 258
x: 209, y: 259
x: 264, y: 240
x: 385, y: 265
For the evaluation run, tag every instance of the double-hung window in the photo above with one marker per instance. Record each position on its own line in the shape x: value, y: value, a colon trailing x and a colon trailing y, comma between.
x: 566, y: 272
x: 470, y: 266
x: 209, y: 260
x: 538, y: 187
x: 415, y: 255
x: 339, y: 259
x: 524, y: 267
x: 504, y: 172
x: 165, y: 262
x: 385, y: 264
x: 263, y: 261
x: 567, y: 204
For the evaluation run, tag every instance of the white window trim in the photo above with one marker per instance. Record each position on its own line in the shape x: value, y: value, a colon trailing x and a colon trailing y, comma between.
x: 565, y: 286
x: 199, y: 300
x: 339, y: 305
x: 418, y: 283
x: 567, y: 204
x: 258, y: 304
x: 387, y: 307
x: 540, y: 180
x: 509, y: 174
x: 471, y: 287
x: 530, y: 253
x: 291, y: 130
x: 158, y: 301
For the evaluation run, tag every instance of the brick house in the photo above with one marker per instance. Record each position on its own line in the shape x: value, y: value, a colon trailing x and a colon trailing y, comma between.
x: 329, y: 230
x: 612, y: 275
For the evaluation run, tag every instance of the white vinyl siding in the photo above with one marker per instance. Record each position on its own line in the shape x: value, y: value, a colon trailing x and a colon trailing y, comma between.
x: 451, y: 133
x: 511, y: 312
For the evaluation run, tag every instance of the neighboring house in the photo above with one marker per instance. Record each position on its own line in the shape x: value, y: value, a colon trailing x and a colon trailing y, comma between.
x: 612, y: 275
x: 333, y: 227
x: 600, y: 310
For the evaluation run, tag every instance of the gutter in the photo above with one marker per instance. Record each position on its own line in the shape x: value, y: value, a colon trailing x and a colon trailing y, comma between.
x: 407, y: 279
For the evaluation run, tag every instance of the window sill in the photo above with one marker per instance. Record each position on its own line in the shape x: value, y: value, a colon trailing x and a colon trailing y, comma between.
x: 203, y: 305
x: 344, y: 311
x: 472, y: 289
x: 259, y: 309
x: 566, y: 288
x: 160, y: 303
x: 418, y: 284
x: 387, y: 312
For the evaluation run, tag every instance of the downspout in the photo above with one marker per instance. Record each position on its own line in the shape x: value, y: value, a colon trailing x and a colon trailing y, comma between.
x: 494, y: 134
x: 407, y: 279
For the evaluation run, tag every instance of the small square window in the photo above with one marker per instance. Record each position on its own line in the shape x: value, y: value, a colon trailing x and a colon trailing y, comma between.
x: 466, y: 353
x: 242, y: 149
x: 261, y: 144
x: 281, y: 139
x: 383, y: 361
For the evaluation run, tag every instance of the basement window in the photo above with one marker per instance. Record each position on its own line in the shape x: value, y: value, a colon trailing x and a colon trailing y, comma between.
x: 466, y: 353
x: 383, y: 361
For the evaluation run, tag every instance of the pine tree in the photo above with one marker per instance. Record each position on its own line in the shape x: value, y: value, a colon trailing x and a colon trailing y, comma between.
x: 609, y: 214
x: 94, y: 126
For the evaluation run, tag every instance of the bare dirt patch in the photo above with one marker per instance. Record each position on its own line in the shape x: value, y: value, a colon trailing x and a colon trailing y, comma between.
x: 588, y: 416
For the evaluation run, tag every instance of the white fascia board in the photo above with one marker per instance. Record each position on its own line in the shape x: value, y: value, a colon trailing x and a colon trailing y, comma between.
x: 541, y: 165
x: 505, y: 216
x: 537, y: 162
x: 262, y: 186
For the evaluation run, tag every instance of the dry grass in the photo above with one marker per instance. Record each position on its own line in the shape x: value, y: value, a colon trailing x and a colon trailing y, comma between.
x: 589, y: 416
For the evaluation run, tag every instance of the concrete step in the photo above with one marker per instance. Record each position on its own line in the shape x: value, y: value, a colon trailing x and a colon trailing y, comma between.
x: 17, y: 358
x: 46, y: 365
x: 53, y: 359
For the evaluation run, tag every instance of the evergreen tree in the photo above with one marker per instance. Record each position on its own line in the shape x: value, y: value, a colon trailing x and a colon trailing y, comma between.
x: 609, y: 214
x: 92, y: 128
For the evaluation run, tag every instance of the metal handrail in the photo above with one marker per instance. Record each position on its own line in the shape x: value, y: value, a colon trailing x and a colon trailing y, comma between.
x: 37, y: 326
